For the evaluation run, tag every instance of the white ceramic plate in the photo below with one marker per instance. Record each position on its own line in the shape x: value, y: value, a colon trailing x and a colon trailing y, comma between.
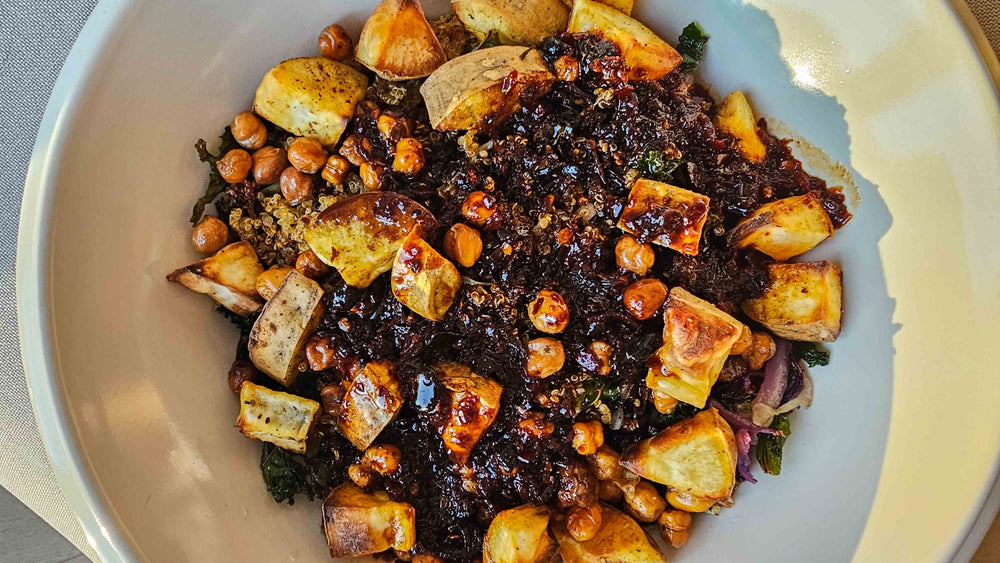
x: 892, y: 463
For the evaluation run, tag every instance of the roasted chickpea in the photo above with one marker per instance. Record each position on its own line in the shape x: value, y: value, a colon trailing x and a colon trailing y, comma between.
x: 296, y: 186
x: 583, y: 523
x: 687, y: 503
x: 248, y: 130
x: 330, y: 397
x: 234, y: 166
x: 393, y: 128
x: 588, y: 436
x: 409, y: 157
x: 268, y: 164
x: 567, y: 68
x: 633, y: 255
x: 599, y: 353
x: 675, y: 526
x: 644, y: 503
x: 383, y: 458
x: 545, y: 357
x: 334, y: 43
x: 307, y: 155
x: 309, y: 265
x: 744, y: 343
x: 361, y: 475
x: 479, y: 207
x: 760, y: 351
x: 608, y: 491
x: 320, y: 353
x: 605, y: 462
x: 241, y: 372
x: 209, y: 235
x: 463, y: 244
x: 371, y: 175
x: 270, y: 280
x: 665, y: 404
x: 549, y: 312
x: 535, y: 425
x: 336, y: 169
x: 644, y: 298
x: 356, y: 149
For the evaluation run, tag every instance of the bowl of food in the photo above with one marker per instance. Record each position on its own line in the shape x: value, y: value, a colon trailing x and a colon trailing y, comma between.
x: 516, y: 281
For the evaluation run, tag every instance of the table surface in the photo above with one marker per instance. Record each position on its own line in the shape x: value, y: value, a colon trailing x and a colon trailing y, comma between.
x: 35, y: 36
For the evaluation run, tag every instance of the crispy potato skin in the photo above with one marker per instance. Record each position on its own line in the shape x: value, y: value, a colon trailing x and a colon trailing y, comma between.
x: 357, y: 523
x: 310, y: 97
x: 423, y: 280
x: 785, y: 228
x: 734, y: 116
x: 229, y: 276
x: 647, y: 56
x: 475, y: 402
x: 360, y: 235
x: 397, y: 43
x: 277, y: 339
x: 620, y: 540
x: 518, y: 22
x: 682, y: 229
x: 696, y: 456
x: 272, y: 416
x: 802, y: 302
x: 520, y: 535
x: 371, y: 402
x: 474, y: 90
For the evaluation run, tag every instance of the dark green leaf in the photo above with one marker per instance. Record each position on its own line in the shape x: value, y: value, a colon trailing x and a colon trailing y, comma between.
x: 691, y: 46
x: 216, y: 184
x: 283, y: 475
x: 811, y: 353
x: 592, y: 389
x: 681, y: 412
x: 655, y: 165
x: 769, y: 446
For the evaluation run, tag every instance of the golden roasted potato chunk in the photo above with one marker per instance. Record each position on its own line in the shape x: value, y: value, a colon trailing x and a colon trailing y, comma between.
x: 475, y: 402
x: 520, y: 535
x: 517, y: 22
x: 802, y: 302
x: 646, y: 55
x: 272, y: 416
x: 623, y: 6
x: 423, y: 280
x: 665, y: 215
x: 371, y: 402
x: 397, y: 42
x: 697, y: 339
x: 278, y: 337
x: 785, y: 228
x: 483, y: 87
x: 696, y: 456
x: 310, y: 97
x: 359, y: 235
x: 735, y: 117
x: 358, y: 523
x: 619, y: 540
x: 229, y: 276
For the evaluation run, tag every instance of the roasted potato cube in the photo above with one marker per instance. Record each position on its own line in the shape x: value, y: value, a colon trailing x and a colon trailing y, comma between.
x: 696, y: 456
x: 358, y: 523
x: 272, y: 416
x: 423, y: 280
x: 623, y: 6
x: 802, y: 301
x: 371, y: 402
x: 397, y: 42
x: 229, y: 276
x: 359, y: 235
x: 785, y: 228
x: 278, y: 337
x: 697, y: 339
x: 665, y: 215
x: 619, y: 540
x: 475, y: 402
x: 310, y: 97
x: 520, y: 535
x: 483, y: 87
x: 517, y: 22
x: 735, y: 117
x: 647, y: 56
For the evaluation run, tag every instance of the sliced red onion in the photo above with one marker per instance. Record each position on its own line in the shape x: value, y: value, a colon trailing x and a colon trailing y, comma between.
x: 743, y: 442
x: 737, y: 422
x: 773, y: 387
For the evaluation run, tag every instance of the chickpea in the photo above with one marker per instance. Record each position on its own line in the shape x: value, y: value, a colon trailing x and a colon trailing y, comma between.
x: 330, y: 397
x: 605, y: 462
x: 393, y: 128
x: 361, y: 475
x: 307, y: 155
x: 760, y: 351
x: 583, y: 523
x: 588, y: 436
x: 270, y: 280
x: 371, y: 175
x: 356, y: 149
x: 268, y: 164
x: 209, y: 235
x: 675, y: 526
x: 644, y: 298
x: 600, y: 352
x: 744, y: 343
x: 634, y: 256
x: 241, y: 372
x: 687, y: 503
x: 234, y: 166
x: 545, y: 357
x: 296, y: 186
x: 409, y: 156
x: 320, y: 353
x: 335, y: 169
x: 479, y: 207
x: 567, y: 68
x: 309, y: 265
x: 548, y: 312
x: 248, y: 130
x: 383, y: 458
x: 665, y: 404
x: 463, y: 244
x: 334, y: 43
x: 608, y: 491
x: 644, y: 503
x: 535, y: 425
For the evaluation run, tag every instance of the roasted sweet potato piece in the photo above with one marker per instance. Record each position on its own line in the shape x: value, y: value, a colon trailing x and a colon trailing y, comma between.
x: 475, y: 402
x: 397, y: 42
x: 735, y: 117
x: 423, y: 280
x: 520, y: 535
x: 785, y: 228
x: 278, y: 337
x: 802, y: 302
x: 358, y: 523
x: 229, y: 276
x: 279, y: 418
x: 518, y: 22
x: 665, y: 215
x: 371, y: 402
x: 619, y: 540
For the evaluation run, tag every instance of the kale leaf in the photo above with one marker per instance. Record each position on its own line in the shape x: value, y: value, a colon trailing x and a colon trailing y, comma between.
x: 216, y: 184
x: 691, y: 46
x: 592, y: 389
x: 284, y: 476
x: 811, y: 353
x: 655, y: 165
x: 769, y: 446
